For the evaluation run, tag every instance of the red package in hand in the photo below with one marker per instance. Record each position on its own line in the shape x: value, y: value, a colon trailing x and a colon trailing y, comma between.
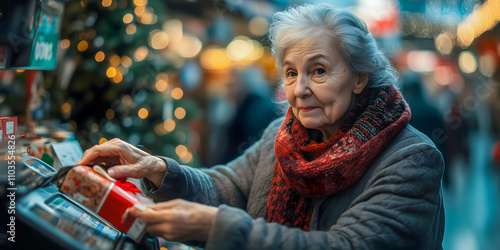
x: 106, y: 198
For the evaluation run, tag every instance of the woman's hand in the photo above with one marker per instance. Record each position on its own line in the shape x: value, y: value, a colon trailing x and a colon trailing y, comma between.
x: 135, y: 163
x: 177, y: 220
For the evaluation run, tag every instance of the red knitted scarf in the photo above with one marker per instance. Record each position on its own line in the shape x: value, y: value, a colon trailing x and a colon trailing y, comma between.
x: 305, y: 168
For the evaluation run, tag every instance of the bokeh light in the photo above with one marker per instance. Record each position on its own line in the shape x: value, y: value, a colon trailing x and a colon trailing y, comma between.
x: 189, y: 46
x: 110, y: 114
x: 158, y: 39
x: 131, y: 28
x: 169, y: 125
x: 258, y: 26
x: 467, y: 62
x: 66, y: 107
x: 64, y: 44
x: 444, y: 44
x: 100, y: 56
x: 143, y: 113
x: 214, y: 58
x: 82, y: 46
x: 111, y: 72
x: 128, y: 18
x: 180, y: 113
x: 174, y: 31
x: 141, y: 53
x: 177, y: 93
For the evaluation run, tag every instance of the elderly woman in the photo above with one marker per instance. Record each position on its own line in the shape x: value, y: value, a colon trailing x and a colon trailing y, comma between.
x: 342, y: 169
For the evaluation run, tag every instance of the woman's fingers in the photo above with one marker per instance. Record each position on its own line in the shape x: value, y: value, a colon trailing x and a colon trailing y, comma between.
x: 177, y: 219
x: 125, y: 171
x: 148, y: 215
x: 112, y: 148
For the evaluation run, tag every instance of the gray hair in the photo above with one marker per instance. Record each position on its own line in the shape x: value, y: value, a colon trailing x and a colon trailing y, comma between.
x: 348, y: 32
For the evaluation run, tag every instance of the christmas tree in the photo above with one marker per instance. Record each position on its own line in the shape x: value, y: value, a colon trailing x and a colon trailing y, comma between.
x: 118, y: 77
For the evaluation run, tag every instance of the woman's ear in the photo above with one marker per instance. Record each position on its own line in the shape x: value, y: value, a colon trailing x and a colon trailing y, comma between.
x: 361, y: 81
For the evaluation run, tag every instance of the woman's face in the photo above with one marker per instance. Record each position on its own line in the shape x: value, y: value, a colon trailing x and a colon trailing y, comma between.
x: 319, y: 85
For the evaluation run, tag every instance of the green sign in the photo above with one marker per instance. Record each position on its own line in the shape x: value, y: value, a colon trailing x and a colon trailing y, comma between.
x: 44, y: 49
x: 44, y: 53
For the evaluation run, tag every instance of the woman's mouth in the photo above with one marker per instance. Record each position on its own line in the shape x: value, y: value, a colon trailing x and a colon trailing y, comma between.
x: 306, y: 109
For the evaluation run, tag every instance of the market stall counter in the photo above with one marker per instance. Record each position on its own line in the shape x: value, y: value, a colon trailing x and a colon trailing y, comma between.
x: 46, y: 218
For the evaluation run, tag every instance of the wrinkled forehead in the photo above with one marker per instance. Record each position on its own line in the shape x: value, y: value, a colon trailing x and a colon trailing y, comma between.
x: 311, y: 46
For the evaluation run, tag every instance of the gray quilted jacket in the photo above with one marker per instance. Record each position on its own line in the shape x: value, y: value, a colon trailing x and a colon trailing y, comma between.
x: 397, y: 204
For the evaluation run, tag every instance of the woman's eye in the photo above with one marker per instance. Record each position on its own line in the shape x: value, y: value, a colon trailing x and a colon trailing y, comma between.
x: 291, y: 74
x: 320, y: 71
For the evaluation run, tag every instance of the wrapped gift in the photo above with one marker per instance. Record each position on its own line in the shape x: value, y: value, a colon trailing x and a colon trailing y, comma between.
x: 8, y: 126
x: 106, y: 196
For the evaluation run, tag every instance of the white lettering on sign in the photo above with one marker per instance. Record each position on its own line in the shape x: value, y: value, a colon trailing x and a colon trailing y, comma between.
x: 43, y: 51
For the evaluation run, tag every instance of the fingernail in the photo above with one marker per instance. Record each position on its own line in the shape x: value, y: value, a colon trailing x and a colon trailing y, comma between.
x: 140, y: 206
x: 111, y: 172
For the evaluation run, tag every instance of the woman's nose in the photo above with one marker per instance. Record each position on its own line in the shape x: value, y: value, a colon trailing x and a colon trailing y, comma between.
x: 302, y: 89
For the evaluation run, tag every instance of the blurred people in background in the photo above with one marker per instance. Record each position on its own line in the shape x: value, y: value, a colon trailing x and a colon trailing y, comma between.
x: 424, y: 115
x: 256, y: 109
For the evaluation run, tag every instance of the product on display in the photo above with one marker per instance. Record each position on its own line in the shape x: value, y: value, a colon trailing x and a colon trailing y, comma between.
x: 8, y: 126
x: 107, y: 197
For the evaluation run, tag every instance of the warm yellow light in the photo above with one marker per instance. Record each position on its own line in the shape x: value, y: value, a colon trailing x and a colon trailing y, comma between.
x: 141, y: 53
x: 64, y: 44
x: 159, y: 130
x: 128, y: 18
x: 143, y: 113
x: 483, y: 18
x: 131, y: 28
x: 214, y: 58
x: 444, y: 44
x: 82, y: 45
x: 126, y: 61
x: 174, y: 30
x: 161, y: 85
x: 239, y: 48
x: 19, y: 70
x: 189, y: 46
x: 118, y: 77
x: 177, y: 93
x: 187, y: 158
x: 180, y: 113
x: 102, y: 140
x: 181, y: 150
x: 111, y: 72
x: 169, y: 125
x: 257, y: 51
x: 110, y: 114
x: 148, y: 18
x: 467, y: 62
x: 258, y: 26
x: 66, y: 107
x: 158, y: 39
x: 114, y: 60
x: 106, y: 3
x: 139, y: 11
x: 140, y: 2
x: 99, y: 56
x: 487, y: 64
x: 465, y: 34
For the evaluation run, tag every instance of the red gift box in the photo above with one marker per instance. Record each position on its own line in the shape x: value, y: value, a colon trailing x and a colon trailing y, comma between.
x: 8, y: 125
x: 106, y: 198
